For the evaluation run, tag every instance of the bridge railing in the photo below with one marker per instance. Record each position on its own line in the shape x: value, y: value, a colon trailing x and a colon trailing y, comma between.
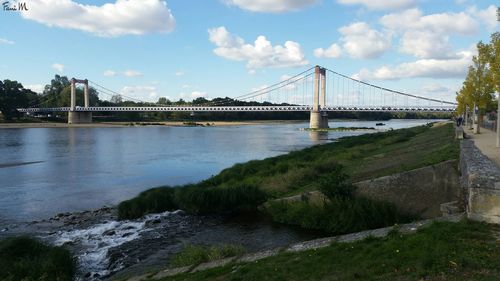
x: 304, y: 108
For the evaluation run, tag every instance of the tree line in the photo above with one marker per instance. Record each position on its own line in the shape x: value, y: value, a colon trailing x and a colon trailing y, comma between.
x: 482, y: 80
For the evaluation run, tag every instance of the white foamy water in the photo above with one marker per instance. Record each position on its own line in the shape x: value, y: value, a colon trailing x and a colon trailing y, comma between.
x: 94, y: 242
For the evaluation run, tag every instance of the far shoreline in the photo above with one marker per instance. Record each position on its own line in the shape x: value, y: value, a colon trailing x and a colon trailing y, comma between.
x: 144, y: 124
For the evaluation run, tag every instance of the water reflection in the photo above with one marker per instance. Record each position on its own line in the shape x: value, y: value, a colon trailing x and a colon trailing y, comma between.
x: 318, y: 136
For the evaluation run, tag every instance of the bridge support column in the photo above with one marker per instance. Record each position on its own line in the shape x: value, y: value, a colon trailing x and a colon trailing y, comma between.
x: 79, y: 117
x: 73, y: 95
x: 86, y: 93
x: 319, y: 118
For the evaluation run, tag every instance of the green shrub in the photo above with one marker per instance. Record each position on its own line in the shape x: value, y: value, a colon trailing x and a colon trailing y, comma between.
x: 200, y: 200
x: 154, y: 200
x: 197, y: 254
x: 193, y: 199
x: 27, y: 259
x: 338, y: 216
x: 335, y: 184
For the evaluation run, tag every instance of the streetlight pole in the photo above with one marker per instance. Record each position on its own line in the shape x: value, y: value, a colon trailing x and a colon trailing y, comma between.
x: 498, y: 120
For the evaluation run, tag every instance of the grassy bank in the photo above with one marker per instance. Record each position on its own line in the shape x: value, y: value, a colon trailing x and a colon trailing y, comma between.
x: 197, y: 254
x: 442, y: 251
x: 247, y: 185
x: 24, y: 258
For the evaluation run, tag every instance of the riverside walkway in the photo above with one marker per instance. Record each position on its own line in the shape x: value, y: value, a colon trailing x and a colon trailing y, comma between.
x: 486, y: 142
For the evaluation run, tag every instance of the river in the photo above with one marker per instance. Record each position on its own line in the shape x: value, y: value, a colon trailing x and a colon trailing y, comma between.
x: 47, y: 171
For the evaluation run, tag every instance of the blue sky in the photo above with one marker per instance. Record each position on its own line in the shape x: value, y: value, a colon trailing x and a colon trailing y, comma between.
x: 184, y: 48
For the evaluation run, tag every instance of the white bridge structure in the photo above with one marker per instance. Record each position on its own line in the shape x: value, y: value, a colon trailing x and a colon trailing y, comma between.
x: 310, y: 91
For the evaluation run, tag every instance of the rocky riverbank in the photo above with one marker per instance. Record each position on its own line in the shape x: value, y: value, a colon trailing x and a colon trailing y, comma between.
x: 107, y: 247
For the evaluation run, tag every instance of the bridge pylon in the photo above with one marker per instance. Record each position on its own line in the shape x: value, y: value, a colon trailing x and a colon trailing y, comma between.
x: 74, y: 115
x: 319, y: 117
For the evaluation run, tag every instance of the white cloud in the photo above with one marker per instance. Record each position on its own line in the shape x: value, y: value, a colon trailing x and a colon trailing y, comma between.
x: 423, y: 44
x: 435, y: 88
x: 59, y: 67
x: 109, y: 73
x: 427, y: 37
x: 261, y: 87
x: 429, y: 68
x: 132, y: 73
x: 445, y: 23
x: 259, y: 55
x: 333, y: 51
x: 380, y: 4
x: 37, y: 88
x: 438, y: 91
x: 360, y: 41
x: 123, y: 17
x: 488, y: 16
x: 143, y: 93
x: 291, y: 85
x: 193, y: 95
x: 179, y: 73
x: 6, y: 42
x: 271, y: 6
x: 186, y: 86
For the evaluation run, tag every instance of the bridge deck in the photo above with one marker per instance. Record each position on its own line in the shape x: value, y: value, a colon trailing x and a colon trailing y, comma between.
x: 245, y: 108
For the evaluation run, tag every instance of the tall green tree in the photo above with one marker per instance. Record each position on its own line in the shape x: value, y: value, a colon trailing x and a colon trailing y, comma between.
x: 482, y: 78
x: 12, y: 96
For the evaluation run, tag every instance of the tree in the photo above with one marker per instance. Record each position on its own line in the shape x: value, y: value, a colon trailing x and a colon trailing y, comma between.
x: 199, y: 101
x: 164, y: 101
x: 482, y: 78
x: 12, y: 96
x: 116, y: 99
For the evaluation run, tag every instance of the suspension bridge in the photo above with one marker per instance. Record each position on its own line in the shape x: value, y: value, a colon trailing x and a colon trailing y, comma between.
x: 317, y: 90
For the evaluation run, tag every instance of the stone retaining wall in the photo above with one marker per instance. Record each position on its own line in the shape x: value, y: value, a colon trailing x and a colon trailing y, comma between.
x: 419, y: 192
x: 480, y: 179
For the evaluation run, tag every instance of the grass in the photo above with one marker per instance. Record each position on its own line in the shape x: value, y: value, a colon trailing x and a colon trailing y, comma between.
x: 197, y: 199
x: 27, y: 259
x: 197, y: 254
x: 443, y: 251
x: 249, y: 184
x: 338, y: 216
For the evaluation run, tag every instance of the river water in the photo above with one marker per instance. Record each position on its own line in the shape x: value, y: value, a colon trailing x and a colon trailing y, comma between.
x: 47, y: 171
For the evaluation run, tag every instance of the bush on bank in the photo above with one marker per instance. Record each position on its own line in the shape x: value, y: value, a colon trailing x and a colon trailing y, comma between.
x: 194, y: 199
x: 338, y: 216
x: 27, y: 259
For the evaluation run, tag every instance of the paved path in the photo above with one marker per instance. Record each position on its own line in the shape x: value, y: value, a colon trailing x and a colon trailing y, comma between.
x: 486, y: 142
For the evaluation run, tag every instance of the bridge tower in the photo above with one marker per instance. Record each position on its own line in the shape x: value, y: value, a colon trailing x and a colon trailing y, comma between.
x: 74, y: 115
x: 319, y: 118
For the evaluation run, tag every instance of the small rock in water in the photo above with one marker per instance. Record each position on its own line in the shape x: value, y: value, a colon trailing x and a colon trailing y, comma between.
x: 69, y: 243
x: 109, y: 232
x: 127, y: 234
x: 152, y: 222
x: 87, y: 275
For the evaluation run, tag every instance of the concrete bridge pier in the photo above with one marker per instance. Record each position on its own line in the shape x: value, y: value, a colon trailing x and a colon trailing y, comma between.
x: 79, y: 117
x: 318, y: 118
